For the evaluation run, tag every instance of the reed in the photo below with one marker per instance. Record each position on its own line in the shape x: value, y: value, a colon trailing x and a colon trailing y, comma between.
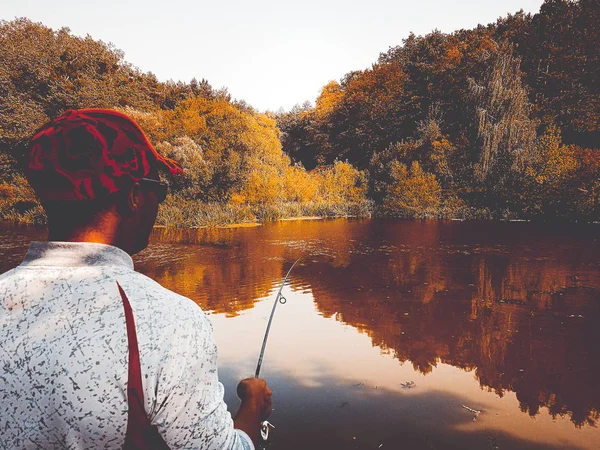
x: 180, y: 212
x: 24, y: 214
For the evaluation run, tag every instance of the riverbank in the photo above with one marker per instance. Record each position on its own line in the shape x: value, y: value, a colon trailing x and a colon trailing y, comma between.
x: 178, y: 212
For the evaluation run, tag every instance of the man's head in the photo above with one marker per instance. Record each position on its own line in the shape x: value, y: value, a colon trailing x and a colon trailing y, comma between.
x: 96, y: 175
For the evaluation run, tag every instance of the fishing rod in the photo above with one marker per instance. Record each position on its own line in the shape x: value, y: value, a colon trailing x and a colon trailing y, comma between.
x: 279, y: 299
x: 264, y: 429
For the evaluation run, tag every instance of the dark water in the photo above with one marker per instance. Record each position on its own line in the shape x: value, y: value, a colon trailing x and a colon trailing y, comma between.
x: 394, y: 332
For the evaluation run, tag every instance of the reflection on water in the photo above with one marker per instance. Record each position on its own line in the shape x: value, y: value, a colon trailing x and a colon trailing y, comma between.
x: 500, y: 315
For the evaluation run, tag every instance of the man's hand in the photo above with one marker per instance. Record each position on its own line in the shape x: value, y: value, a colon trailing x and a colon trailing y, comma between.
x: 255, y: 407
x: 255, y: 390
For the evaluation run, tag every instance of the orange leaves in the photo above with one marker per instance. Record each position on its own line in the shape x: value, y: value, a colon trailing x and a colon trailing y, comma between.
x: 263, y: 185
x: 411, y: 192
x: 234, y: 155
x: 452, y: 56
x: 300, y: 185
x: 550, y: 178
x: 589, y: 160
x: 381, y: 82
x: 331, y: 96
x: 341, y: 183
x: 557, y: 160
x: 588, y: 178
x: 484, y: 46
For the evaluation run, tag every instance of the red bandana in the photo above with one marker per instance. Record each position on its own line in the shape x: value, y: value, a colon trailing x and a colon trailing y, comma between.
x: 90, y: 153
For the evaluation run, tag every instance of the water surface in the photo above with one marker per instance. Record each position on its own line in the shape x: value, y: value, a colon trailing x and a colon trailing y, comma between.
x: 399, y: 334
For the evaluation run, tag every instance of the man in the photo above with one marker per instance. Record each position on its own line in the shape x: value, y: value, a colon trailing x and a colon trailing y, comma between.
x: 94, y: 355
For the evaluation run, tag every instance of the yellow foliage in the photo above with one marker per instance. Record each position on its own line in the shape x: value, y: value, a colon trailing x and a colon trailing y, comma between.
x: 235, y: 155
x: 237, y: 199
x: 438, y: 156
x: 332, y: 95
x: 264, y: 185
x: 413, y: 192
x: 299, y: 185
x: 554, y: 162
x: 18, y: 189
x: 342, y: 182
x: 225, y: 150
x: 452, y: 56
x: 547, y: 175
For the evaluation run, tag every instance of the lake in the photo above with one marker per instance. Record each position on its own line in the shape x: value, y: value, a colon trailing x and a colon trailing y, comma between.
x: 398, y: 334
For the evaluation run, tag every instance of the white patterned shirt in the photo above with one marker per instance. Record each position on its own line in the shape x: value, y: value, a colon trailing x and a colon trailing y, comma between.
x: 64, y: 355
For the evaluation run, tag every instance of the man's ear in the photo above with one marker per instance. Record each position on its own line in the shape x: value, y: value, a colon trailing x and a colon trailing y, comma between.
x: 134, y: 199
x: 131, y: 201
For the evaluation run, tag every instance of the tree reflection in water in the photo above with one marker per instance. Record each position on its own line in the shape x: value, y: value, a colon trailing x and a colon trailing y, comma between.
x: 517, y: 304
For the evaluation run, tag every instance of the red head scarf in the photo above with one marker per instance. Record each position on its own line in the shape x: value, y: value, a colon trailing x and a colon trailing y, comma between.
x: 90, y: 153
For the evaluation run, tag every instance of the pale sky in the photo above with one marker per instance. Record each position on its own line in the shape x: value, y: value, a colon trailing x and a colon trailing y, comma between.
x: 269, y: 53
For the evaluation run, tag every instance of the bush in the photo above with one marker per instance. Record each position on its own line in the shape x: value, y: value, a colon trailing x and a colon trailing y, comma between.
x: 412, y: 193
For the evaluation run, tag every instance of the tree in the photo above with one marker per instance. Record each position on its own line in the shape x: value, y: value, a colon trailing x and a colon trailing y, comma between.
x: 43, y: 72
x: 505, y: 134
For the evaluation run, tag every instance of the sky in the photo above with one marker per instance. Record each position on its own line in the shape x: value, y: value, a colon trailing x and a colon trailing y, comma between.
x: 270, y: 53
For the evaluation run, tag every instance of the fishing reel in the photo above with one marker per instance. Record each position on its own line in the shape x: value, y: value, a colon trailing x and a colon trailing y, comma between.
x: 264, y: 434
x: 264, y: 429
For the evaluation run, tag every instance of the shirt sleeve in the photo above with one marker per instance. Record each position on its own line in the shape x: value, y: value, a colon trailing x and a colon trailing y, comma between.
x: 189, y: 409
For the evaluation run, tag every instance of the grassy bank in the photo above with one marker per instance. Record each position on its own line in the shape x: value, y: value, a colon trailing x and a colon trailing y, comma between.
x: 178, y: 212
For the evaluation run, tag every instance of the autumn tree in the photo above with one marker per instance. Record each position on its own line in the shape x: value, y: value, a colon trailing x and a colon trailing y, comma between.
x: 44, y: 72
x: 558, y: 47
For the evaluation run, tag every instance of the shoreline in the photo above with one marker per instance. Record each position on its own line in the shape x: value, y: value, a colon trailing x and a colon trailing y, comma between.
x: 10, y: 223
x: 197, y: 215
x: 259, y: 224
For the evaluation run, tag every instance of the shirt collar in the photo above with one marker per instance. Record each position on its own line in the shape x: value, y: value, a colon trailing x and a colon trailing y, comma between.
x: 75, y: 254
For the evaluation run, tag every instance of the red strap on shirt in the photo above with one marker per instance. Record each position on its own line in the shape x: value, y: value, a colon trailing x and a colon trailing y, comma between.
x: 141, y: 434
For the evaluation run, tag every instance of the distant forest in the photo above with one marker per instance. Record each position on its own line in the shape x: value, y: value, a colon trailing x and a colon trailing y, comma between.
x: 501, y: 121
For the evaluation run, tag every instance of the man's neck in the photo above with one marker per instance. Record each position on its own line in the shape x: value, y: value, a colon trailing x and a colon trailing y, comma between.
x: 107, y: 234
x: 86, y: 235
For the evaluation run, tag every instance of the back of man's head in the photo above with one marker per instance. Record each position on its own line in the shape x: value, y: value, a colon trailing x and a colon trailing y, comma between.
x: 82, y: 162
